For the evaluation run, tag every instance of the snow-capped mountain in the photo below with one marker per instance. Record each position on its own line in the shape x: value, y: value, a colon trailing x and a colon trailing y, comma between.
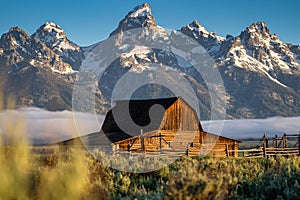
x: 54, y: 37
x: 19, y: 48
x: 256, y: 49
x: 139, y: 17
x: 35, y: 73
x: 261, y: 73
x: 205, y: 38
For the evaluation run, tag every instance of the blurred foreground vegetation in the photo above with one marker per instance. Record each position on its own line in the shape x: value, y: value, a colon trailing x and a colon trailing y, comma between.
x: 77, y: 175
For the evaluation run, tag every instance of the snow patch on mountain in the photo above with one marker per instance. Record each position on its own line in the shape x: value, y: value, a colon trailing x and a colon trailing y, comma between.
x: 137, y: 50
x: 68, y: 70
x: 274, y: 80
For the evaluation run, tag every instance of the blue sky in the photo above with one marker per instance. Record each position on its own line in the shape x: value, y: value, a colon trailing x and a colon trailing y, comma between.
x: 88, y: 22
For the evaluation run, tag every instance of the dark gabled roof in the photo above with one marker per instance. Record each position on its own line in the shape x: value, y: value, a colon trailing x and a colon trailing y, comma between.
x: 139, y: 111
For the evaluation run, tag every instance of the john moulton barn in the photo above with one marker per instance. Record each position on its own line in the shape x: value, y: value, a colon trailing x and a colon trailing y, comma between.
x: 175, y: 130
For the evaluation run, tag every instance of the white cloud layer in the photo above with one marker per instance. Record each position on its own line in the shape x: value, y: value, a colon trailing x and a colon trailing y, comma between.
x: 255, y: 128
x: 42, y: 126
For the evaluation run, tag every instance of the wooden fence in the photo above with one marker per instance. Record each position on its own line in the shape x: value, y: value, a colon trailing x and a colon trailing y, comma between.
x: 273, y: 146
x: 287, y: 145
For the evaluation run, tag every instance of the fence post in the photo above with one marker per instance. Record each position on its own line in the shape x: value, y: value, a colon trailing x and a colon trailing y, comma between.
x: 284, y: 141
x: 276, y: 141
x: 142, y: 141
x: 113, y: 148
x: 265, y: 146
x: 160, y: 141
x: 187, y: 149
x: 128, y: 147
x: 299, y: 144
x: 235, y: 146
x: 201, y: 138
x: 227, y: 153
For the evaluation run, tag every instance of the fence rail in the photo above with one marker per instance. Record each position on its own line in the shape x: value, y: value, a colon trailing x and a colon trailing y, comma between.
x: 272, y: 147
x: 285, y: 146
x: 267, y: 152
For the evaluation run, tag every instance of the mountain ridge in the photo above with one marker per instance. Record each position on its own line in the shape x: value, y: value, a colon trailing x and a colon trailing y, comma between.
x: 260, y: 72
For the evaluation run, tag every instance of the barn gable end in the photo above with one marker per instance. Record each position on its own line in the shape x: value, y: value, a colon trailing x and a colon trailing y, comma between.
x: 180, y: 116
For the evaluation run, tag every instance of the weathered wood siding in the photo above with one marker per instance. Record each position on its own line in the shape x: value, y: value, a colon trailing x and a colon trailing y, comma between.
x: 180, y: 116
x: 196, y: 142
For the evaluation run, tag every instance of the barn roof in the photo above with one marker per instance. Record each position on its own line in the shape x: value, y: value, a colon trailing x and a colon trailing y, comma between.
x: 139, y: 111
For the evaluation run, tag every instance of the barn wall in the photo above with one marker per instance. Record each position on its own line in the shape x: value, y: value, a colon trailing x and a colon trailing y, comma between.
x: 189, y: 118
x: 151, y: 142
x: 180, y: 116
x: 210, y: 144
x: 171, y: 118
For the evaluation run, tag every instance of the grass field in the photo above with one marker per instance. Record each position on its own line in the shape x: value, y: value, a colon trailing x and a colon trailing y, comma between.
x: 77, y: 175
x: 46, y: 173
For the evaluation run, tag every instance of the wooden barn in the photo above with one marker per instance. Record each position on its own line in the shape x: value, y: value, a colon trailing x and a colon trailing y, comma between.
x: 166, y: 125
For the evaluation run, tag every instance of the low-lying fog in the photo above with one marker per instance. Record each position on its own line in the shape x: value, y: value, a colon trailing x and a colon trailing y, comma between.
x: 42, y: 126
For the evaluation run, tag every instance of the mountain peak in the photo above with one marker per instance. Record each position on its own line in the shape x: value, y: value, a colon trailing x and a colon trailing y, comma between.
x: 49, y: 32
x: 15, y: 37
x: 138, y: 17
x: 256, y: 35
x: 260, y: 28
x: 140, y: 11
x: 17, y: 31
x: 54, y: 37
x: 198, y: 32
x: 196, y: 26
x: 51, y: 26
